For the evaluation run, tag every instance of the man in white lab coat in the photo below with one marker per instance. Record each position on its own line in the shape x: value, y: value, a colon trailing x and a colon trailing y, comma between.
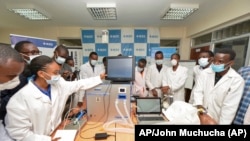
x: 87, y: 70
x: 219, y: 88
x: 155, y: 75
x: 11, y: 66
x: 175, y: 78
x: 204, y: 61
x: 140, y: 83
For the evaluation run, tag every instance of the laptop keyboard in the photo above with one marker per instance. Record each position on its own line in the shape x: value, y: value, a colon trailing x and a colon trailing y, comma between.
x: 150, y: 118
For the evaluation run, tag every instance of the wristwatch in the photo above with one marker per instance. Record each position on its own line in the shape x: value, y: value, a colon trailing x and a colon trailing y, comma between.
x: 202, y: 111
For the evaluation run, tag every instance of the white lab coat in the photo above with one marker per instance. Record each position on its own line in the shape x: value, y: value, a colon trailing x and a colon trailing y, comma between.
x: 220, y: 100
x: 154, y: 78
x: 196, y: 73
x: 139, y: 88
x: 4, y: 136
x: 86, y: 71
x: 176, y: 81
x: 32, y: 116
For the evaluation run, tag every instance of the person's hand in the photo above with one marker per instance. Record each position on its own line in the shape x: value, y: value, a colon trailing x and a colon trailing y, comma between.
x: 205, y: 119
x: 103, y: 75
x: 56, y: 139
x: 165, y: 89
x: 154, y: 92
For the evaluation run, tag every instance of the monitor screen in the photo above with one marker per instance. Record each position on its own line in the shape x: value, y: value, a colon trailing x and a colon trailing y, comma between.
x: 121, y: 68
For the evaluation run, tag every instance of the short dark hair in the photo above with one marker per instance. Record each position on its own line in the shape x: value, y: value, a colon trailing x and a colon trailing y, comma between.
x: 209, y: 52
x: 92, y: 53
x: 18, y: 46
x: 229, y: 51
x: 7, y: 52
x: 177, y: 54
x: 69, y: 58
x: 61, y: 47
x: 104, y: 59
x: 39, y: 63
x: 158, y: 52
x: 143, y: 60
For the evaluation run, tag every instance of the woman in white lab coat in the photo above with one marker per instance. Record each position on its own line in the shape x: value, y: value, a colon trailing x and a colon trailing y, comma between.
x: 220, y: 88
x: 175, y: 78
x: 34, y: 112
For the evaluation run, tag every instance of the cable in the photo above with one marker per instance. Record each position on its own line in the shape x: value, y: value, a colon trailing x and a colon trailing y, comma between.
x: 123, y: 121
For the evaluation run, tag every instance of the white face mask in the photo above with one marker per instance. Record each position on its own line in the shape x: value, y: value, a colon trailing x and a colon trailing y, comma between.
x: 93, y: 62
x: 140, y: 69
x: 173, y: 62
x: 159, y: 62
x: 10, y: 84
x: 60, y: 60
x: 31, y: 57
x: 73, y: 69
x: 54, y: 79
x: 203, y: 62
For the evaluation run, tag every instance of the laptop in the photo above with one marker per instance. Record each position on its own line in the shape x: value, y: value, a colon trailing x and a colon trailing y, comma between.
x: 148, y: 110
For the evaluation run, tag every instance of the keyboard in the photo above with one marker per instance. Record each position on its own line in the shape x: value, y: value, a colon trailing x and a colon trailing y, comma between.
x: 151, y: 118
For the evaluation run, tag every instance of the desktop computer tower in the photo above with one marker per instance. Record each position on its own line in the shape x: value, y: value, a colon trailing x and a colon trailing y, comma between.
x: 104, y: 100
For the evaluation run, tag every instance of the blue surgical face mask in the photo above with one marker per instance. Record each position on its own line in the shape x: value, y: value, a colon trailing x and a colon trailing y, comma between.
x: 218, y: 68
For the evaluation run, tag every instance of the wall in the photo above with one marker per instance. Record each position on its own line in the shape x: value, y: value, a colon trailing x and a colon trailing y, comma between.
x: 75, y: 32
x: 233, y: 10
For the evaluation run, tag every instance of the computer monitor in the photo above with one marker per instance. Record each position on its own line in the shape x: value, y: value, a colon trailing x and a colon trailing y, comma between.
x: 121, y: 68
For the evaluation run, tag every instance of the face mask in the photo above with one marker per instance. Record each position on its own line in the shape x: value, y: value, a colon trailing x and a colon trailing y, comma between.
x: 73, y: 69
x: 60, y: 60
x: 54, y: 79
x: 93, y: 62
x: 159, y: 62
x: 218, y: 68
x: 10, y: 84
x: 139, y: 69
x: 203, y: 62
x: 173, y: 62
x: 31, y: 57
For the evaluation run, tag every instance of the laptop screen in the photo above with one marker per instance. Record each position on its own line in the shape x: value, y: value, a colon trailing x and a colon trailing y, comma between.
x: 148, y: 105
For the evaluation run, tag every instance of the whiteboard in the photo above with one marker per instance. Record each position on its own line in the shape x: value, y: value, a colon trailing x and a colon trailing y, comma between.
x: 190, y: 65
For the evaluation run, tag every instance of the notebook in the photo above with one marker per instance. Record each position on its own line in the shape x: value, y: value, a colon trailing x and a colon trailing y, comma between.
x: 148, y: 110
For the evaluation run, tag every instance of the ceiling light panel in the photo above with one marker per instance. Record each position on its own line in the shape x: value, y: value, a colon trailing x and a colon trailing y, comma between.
x: 179, y: 11
x: 28, y: 11
x: 102, y: 11
x: 31, y: 14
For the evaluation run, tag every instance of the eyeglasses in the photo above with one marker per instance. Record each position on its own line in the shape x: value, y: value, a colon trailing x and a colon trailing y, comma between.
x: 34, y: 52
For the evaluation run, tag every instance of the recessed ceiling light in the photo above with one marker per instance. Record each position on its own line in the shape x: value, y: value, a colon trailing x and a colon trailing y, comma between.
x: 28, y: 11
x: 102, y: 11
x: 179, y: 11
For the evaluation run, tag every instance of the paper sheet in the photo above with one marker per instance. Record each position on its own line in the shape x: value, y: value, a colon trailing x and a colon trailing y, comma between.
x: 66, y: 135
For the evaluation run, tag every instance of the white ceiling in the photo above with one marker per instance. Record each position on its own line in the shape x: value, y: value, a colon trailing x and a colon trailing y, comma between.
x: 131, y: 13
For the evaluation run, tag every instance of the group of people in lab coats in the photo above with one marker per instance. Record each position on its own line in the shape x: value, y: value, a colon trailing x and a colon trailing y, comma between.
x: 159, y: 79
x: 218, y: 88
x: 35, y: 109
